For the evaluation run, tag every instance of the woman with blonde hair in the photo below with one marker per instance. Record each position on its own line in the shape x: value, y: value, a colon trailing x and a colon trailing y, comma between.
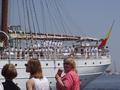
x: 9, y: 72
x: 70, y: 80
x: 37, y: 81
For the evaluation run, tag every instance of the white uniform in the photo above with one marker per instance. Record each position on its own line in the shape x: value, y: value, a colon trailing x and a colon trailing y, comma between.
x: 41, y: 84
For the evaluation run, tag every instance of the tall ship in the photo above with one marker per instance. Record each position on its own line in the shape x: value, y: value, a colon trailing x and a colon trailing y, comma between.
x: 25, y: 36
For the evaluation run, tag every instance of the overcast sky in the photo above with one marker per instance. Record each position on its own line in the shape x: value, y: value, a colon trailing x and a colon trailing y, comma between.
x: 94, y: 18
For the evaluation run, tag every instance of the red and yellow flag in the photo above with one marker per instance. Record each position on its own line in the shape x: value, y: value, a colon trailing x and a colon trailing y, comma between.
x: 104, y: 41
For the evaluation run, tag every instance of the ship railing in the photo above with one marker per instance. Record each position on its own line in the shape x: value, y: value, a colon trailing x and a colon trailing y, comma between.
x: 52, y: 55
x: 40, y: 36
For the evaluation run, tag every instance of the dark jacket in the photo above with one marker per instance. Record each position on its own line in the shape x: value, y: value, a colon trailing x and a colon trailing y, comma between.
x: 10, y: 85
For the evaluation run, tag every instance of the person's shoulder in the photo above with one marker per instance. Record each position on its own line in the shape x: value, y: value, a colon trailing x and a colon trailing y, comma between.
x: 73, y: 73
x: 30, y: 81
x: 16, y: 88
x: 45, y: 79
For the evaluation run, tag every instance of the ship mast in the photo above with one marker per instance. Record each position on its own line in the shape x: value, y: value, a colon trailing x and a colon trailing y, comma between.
x: 4, y: 22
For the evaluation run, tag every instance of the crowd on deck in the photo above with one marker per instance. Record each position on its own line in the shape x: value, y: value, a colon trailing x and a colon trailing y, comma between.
x: 51, y: 50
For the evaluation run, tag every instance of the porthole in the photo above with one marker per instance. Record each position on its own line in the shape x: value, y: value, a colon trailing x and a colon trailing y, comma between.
x: 85, y: 63
x: 58, y: 64
x: 46, y: 64
x: 26, y: 64
x: 15, y: 64
x: 93, y: 63
x: 100, y: 62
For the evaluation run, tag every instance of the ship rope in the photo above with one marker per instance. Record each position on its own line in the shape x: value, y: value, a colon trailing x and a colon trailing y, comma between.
x: 24, y: 21
x: 32, y: 20
x: 28, y: 19
x: 34, y: 9
x: 62, y: 21
x: 48, y: 20
x: 18, y: 5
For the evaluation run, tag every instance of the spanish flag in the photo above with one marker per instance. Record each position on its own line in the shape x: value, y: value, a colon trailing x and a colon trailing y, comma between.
x: 104, y: 41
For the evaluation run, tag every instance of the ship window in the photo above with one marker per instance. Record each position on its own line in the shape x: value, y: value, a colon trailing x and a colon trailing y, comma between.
x: 93, y: 63
x: 85, y: 63
x: 58, y: 64
x: 100, y: 62
x: 46, y: 64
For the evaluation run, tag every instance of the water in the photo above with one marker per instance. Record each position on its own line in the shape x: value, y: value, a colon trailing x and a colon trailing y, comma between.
x: 105, y: 82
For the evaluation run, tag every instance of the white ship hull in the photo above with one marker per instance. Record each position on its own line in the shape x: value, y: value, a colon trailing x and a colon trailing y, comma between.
x: 88, y: 70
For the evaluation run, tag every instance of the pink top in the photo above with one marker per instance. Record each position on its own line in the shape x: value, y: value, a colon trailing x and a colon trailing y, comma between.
x: 71, y: 81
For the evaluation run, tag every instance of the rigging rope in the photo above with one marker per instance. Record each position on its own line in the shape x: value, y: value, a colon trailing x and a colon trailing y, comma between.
x: 31, y: 14
x: 28, y: 17
x: 19, y: 19
x: 43, y: 15
x: 24, y: 21
x: 19, y: 11
x: 34, y: 9
x: 61, y: 17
